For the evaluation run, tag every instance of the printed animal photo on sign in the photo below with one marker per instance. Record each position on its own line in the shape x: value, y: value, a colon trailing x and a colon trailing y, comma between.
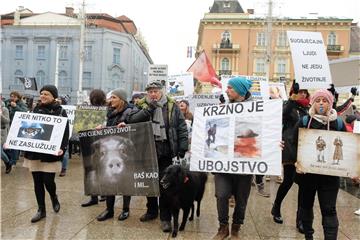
x: 216, y: 138
x: 33, y: 130
x: 247, y: 141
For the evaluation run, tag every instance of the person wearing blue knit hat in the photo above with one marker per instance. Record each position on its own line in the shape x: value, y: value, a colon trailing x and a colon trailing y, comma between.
x: 238, y: 89
x: 227, y: 184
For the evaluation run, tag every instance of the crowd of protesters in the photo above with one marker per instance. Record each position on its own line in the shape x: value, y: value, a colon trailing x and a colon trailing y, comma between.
x: 170, y: 124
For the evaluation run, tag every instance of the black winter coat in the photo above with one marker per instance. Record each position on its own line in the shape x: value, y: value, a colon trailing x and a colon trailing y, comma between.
x: 114, y: 117
x: 56, y: 110
x: 292, y: 111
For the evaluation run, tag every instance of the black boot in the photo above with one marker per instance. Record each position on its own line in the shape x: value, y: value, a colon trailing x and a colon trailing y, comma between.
x: 41, y: 213
x: 8, y: 167
x: 55, y: 203
x: 330, y: 225
x: 275, y: 211
x: 307, y: 218
x: 299, y: 225
x: 124, y: 215
x: 105, y: 215
x: 93, y: 200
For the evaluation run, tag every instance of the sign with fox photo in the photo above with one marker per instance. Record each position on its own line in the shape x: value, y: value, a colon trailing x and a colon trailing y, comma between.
x: 241, y: 138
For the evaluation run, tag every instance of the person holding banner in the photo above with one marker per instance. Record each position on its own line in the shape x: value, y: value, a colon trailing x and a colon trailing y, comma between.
x: 321, y: 116
x: 171, y: 140
x: 5, y: 120
x: 296, y: 107
x: 44, y: 166
x: 118, y: 114
x: 233, y: 184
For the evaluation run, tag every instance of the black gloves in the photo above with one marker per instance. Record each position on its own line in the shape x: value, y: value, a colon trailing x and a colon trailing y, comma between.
x: 152, y: 106
x: 354, y: 91
x: 222, y: 99
x: 181, y: 154
x: 296, y: 87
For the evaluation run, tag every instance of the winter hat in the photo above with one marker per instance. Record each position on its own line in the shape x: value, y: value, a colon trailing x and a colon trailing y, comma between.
x: 50, y: 88
x: 153, y: 84
x: 240, y: 84
x: 121, y: 93
x: 322, y: 93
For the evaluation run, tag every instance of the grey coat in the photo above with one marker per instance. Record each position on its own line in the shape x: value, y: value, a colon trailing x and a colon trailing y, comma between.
x: 5, y: 121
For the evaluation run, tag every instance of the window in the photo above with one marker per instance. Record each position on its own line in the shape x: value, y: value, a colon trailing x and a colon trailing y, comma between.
x: 332, y: 38
x: 63, y: 79
x: 260, y: 39
x: 19, y: 51
x: 41, y: 51
x: 225, y: 64
x: 116, y: 56
x: 86, y: 79
x: 40, y: 78
x: 282, y: 39
x: 281, y: 66
x: 225, y: 36
x: 226, y: 4
x: 18, y: 73
x: 88, y: 54
x: 115, y: 78
x: 63, y: 52
x: 260, y: 66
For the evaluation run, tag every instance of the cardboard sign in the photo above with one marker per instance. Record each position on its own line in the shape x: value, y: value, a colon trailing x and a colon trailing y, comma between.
x: 70, y: 111
x: 328, y: 152
x: 158, y: 73
x: 180, y: 85
x: 120, y: 161
x: 241, y: 138
x: 311, y: 64
x: 35, y: 132
x: 202, y: 100
x: 89, y: 117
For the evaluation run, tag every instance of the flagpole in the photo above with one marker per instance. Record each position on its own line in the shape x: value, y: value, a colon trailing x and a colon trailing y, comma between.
x: 57, y: 65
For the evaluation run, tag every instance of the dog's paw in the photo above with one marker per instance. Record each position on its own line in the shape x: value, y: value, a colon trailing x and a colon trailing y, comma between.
x: 174, y: 234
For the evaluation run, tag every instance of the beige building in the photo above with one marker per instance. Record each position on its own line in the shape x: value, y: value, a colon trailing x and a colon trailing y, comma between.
x: 236, y: 41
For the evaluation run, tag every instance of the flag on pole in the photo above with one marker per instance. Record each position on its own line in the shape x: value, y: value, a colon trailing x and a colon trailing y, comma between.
x: 189, y: 52
x: 203, y: 70
x: 29, y: 83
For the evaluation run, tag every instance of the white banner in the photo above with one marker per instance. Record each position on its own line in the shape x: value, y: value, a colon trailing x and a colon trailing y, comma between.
x: 328, y: 152
x: 180, y: 85
x: 311, y: 64
x: 36, y: 132
x: 70, y: 111
x: 242, y: 138
x: 202, y: 100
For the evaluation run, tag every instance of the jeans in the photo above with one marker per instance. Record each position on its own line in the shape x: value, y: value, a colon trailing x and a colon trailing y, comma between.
x: 13, y: 155
x: 232, y: 184
x: 65, y: 160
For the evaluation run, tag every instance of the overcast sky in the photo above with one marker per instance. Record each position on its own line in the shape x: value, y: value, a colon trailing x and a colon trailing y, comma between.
x: 169, y: 26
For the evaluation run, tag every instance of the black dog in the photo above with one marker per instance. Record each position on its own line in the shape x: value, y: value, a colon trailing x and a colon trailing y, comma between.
x: 181, y: 189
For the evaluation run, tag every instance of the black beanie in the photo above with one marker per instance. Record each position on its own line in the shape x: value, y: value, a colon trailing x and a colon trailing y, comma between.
x: 52, y: 89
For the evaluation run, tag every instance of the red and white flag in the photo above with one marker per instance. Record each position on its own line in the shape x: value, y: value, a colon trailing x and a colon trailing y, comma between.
x: 203, y: 70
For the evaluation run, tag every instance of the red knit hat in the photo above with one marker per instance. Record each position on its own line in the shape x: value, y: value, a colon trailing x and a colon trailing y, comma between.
x: 322, y: 93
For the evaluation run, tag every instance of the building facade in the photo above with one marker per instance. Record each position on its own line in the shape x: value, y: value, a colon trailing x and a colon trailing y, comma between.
x: 47, y: 46
x: 236, y: 41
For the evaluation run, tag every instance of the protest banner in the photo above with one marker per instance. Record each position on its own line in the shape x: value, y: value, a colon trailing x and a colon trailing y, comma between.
x: 311, y: 64
x: 328, y: 152
x: 241, y: 138
x: 120, y: 161
x: 158, y: 73
x: 202, y: 100
x: 89, y: 117
x: 35, y: 132
x: 356, y: 127
x: 180, y: 85
x: 70, y: 111
x: 259, y: 89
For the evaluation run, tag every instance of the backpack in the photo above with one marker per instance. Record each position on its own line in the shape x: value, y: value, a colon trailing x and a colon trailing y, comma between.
x: 339, y: 122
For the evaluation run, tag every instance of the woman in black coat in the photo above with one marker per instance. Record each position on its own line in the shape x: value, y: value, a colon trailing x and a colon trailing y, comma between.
x: 44, y: 166
x: 321, y: 116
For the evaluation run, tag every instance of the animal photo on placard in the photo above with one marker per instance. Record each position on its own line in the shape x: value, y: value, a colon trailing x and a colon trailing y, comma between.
x: 247, y: 140
x: 216, y: 142
x: 33, y: 130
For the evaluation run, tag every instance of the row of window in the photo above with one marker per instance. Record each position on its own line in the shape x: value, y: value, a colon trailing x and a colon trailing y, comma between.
x: 281, y: 38
x: 259, y: 65
x: 63, y: 53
